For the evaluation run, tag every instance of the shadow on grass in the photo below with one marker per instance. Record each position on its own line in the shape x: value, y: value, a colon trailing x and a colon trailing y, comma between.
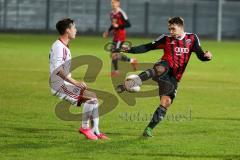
x: 37, y: 130
x: 18, y: 132
x: 26, y: 134
x: 40, y: 130
x: 218, y: 156
x: 26, y: 145
x: 218, y: 118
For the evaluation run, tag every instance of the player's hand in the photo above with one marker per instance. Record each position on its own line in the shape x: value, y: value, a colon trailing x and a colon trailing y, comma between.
x: 105, y: 34
x: 125, y: 48
x: 115, y: 25
x: 208, y: 55
x: 82, y: 84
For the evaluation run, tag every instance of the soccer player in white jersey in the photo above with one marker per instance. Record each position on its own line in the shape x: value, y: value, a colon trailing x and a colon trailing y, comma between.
x: 69, y: 89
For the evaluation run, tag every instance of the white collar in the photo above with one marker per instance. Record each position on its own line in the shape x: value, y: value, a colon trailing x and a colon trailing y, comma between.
x: 180, y: 38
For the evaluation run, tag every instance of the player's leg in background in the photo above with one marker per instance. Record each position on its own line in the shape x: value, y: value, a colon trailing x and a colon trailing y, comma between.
x: 116, y: 55
x: 121, y: 56
x: 115, y: 58
x: 125, y: 58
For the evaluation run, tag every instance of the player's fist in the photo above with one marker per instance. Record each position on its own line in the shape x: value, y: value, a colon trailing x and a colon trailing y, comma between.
x: 115, y: 25
x: 105, y: 34
x: 82, y: 85
x: 208, y: 55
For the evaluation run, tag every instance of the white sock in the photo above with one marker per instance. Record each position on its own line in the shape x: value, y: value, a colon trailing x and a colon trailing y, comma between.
x: 87, y: 112
x: 95, y: 119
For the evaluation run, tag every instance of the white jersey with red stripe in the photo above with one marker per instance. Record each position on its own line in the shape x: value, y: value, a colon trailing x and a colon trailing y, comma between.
x: 60, y: 58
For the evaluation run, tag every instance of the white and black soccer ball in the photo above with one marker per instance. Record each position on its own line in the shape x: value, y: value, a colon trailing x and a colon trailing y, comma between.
x: 133, y: 83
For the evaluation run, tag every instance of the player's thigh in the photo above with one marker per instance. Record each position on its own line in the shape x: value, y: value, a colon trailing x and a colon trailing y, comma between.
x: 69, y: 93
x: 161, y: 68
x: 165, y: 101
x: 118, y: 45
x: 73, y: 93
x: 114, y: 55
x: 116, y: 50
x: 89, y: 95
x: 167, y: 89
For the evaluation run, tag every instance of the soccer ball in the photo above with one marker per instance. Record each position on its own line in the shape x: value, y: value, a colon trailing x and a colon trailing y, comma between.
x: 132, y: 83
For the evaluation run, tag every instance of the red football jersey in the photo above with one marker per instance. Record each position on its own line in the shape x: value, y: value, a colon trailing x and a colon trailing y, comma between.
x: 177, y: 51
x: 119, y: 34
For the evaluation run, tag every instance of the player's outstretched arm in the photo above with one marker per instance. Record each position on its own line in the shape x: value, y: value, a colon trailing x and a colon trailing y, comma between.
x: 156, y: 44
x: 141, y: 49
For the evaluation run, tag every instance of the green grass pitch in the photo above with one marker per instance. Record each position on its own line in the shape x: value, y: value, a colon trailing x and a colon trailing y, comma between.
x: 207, y: 102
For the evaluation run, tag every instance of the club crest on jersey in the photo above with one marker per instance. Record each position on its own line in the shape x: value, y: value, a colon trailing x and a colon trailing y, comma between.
x: 172, y: 42
x: 189, y: 41
x: 76, y: 90
x: 179, y: 51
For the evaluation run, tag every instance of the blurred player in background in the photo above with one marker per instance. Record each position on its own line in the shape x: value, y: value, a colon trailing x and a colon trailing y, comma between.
x: 69, y: 89
x: 177, y: 47
x: 119, y: 21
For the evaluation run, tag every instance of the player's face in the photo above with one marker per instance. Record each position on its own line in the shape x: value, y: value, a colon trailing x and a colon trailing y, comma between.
x: 72, y: 31
x: 175, y: 30
x: 115, y: 4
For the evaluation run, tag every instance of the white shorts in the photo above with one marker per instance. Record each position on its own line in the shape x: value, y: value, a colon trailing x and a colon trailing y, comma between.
x: 70, y: 93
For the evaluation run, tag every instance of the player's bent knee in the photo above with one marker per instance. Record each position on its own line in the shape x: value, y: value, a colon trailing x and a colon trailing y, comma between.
x: 160, y: 70
x: 92, y: 101
x: 166, y: 101
x: 88, y: 95
x: 114, y: 56
x: 94, y: 95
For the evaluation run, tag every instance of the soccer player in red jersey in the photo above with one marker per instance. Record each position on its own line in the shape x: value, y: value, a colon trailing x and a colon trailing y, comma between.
x: 119, y: 21
x: 177, y: 47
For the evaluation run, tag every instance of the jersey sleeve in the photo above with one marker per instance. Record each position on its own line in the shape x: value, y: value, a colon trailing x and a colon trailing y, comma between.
x: 159, y: 43
x: 58, y: 57
x: 198, y: 49
x: 111, y: 26
x: 127, y: 23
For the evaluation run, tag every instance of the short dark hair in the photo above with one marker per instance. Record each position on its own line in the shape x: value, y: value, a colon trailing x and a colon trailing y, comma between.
x: 63, y: 24
x: 176, y: 20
